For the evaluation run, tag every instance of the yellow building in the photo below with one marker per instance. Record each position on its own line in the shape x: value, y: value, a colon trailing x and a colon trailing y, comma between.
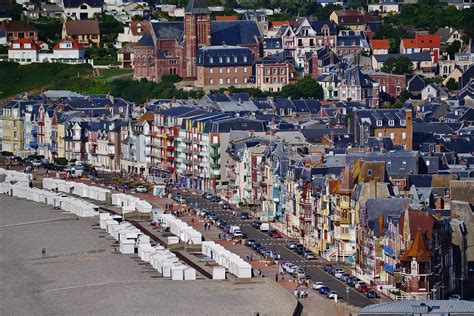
x: 60, y: 141
x: 12, y: 128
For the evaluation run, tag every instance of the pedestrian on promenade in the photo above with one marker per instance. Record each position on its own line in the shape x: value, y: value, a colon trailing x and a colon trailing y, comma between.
x: 251, y: 256
x: 43, y: 252
x: 276, y: 277
x: 192, y: 221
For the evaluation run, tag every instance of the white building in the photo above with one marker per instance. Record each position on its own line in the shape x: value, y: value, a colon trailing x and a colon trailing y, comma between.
x: 81, y: 9
x: 23, y: 51
x: 26, y: 51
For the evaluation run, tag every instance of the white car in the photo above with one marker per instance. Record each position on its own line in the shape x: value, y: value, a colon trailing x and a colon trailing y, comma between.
x: 291, y: 268
x: 237, y: 233
x: 338, y: 273
x: 318, y: 285
x: 332, y: 295
x: 141, y: 189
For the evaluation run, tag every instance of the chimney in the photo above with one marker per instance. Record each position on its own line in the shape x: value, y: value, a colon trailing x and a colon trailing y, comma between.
x: 409, y: 129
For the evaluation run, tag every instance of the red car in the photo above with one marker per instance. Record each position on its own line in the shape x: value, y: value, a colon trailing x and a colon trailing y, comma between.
x: 363, y: 288
x: 275, y: 234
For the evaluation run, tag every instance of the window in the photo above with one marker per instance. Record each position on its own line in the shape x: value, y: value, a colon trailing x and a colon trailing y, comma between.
x: 245, y: 79
x: 211, y: 81
x: 221, y: 70
x: 245, y: 59
x: 267, y: 71
x: 227, y: 59
x: 211, y: 70
x: 392, y: 136
x: 282, y: 71
x: 228, y: 70
x: 404, y: 135
x: 369, y: 172
x: 404, y: 163
x: 235, y: 59
x: 245, y: 69
x: 235, y: 80
x: 380, y: 135
x: 379, y: 123
x: 235, y: 70
x: 211, y: 60
x: 403, y: 122
x: 220, y: 60
x: 228, y: 81
x: 275, y: 71
x: 391, y: 122
x: 221, y: 81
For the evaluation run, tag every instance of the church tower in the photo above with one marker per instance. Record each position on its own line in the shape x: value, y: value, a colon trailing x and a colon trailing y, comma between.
x: 197, y: 33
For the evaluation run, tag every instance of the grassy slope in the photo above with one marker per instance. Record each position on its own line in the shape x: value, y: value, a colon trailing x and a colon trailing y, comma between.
x: 15, y: 79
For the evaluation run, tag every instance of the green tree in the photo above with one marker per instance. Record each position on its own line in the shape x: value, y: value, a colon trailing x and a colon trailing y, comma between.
x: 305, y: 87
x: 452, y: 85
x: 453, y: 48
x: 393, y: 34
x: 398, y: 65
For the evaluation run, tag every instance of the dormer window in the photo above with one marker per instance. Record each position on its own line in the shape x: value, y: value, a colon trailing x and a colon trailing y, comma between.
x: 391, y: 122
x: 235, y: 59
x: 245, y: 59
x: 211, y: 60
x: 221, y: 60
x: 403, y: 122
x: 227, y: 59
x: 379, y: 123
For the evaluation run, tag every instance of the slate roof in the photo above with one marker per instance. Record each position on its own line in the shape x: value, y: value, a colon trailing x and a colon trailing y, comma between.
x: 234, y: 32
x: 412, y: 57
x: 272, y: 43
x: 215, y: 56
x: 168, y: 30
x: 317, y: 26
x: 355, y: 76
x: 78, y: 3
x: 427, y: 307
x: 386, y: 207
x: 416, y: 84
x: 397, y: 163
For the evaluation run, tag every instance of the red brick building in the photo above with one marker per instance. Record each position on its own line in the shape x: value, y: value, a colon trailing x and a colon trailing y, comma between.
x: 273, y: 72
x: 391, y: 84
x: 171, y: 47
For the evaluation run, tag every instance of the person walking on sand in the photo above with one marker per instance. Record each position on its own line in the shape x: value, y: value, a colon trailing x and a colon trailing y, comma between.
x: 276, y: 277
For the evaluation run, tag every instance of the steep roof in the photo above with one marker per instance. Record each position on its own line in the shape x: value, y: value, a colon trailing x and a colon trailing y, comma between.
x: 422, y: 41
x: 379, y: 44
x: 78, y: 3
x: 82, y: 27
x: 17, y: 26
x: 23, y: 43
x: 234, y: 32
x: 168, y: 30
x: 418, y: 249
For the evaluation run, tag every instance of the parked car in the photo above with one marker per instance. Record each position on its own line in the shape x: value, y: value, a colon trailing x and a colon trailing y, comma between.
x: 264, y: 227
x: 300, y: 274
x: 372, y: 294
x: 141, y: 189
x: 324, y: 290
x: 308, y: 255
x: 285, y: 265
x: 338, y: 273
x: 215, y: 199
x: 250, y: 242
x: 212, y: 216
x: 317, y: 285
x: 244, y: 215
x: 238, y: 233
x: 292, y: 268
x: 207, y: 196
x: 331, y: 295
x: 328, y: 268
x: 256, y: 245
x: 226, y: 206
x: 256, y: 224
x: 358, y: 284
x: 275, y: 234
x: 299, y: 249
x: 344, y: 277
x: 363, y: 288
x: 290, y: 244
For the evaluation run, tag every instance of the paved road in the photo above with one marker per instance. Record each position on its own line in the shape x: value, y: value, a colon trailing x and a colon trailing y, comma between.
x: 312, y: 267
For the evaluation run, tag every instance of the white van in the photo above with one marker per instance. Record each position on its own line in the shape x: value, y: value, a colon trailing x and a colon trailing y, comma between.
x: 233, y: 229
x: 265, y: 227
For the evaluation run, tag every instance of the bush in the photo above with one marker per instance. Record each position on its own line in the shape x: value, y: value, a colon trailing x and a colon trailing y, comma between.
x: 60, y: 161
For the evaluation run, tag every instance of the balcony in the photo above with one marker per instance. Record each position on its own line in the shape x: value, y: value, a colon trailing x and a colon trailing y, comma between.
x: 33, y: 144
x: 215, y: 176
x: 215, y: 166
x: 170, y: 148
x: 388, y: 251
x: 389, y: 268
x: 170, y: 158
x: 215, y: 145
x: 215, y: 156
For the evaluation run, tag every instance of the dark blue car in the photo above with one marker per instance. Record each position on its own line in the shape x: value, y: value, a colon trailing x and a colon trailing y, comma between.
x: 324, y: 290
